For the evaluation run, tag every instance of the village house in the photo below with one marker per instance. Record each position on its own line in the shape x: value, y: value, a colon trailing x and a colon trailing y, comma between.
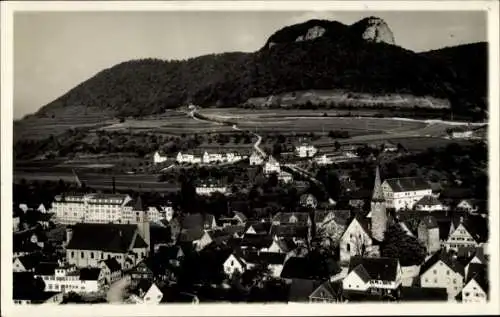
x: 443, y: 270
x: 210, y: 187
x: 299, y: 234
x: 404, y: 193
x: 374, y: 275
x: 64, y: 278
x: 146, y: 292
x: 305, y: 150
x: 476, y: 286
x: 142, y: 271
x: 466, y: 233
x: 257, y: 228
x: 111, y: 269
x: 198, y: 221
x: 429, y: 203
x: 323, y: 160
x: 90, y: 243
x: 389, y: 147
x: 27, y: 263
x: 256, y: 159
x: 255, y: 242
x: 285, y: 177
x: 188, y: 158
x: 292, y: 218
x: 271, y: 166
x: 157, y: 158
x: 281, y: 245
x: 327, y: 292
x: 26, y: 290
x: 197, y: 237
x: 173, y: 254
x: 356, y: 239
x: 462, y: 133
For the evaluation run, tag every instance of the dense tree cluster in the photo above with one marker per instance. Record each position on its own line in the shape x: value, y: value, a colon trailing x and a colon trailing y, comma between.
x: 399, y: 245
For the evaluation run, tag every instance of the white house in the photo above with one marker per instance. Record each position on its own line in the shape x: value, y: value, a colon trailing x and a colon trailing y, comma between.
x: 285, y: 177
x: 462, y: 134
x: 65, y: 279
x: 235, y: 263
x: 429, y: 203
x: 305, y: 150
x: 443, y: 270
x: 323, y: 160
x: 404, y: 193
x: 111, y: 269
x: 209, y: 158
x: 256, y: 159
x: 157, y: 158
x: 356, y: 240
x: 380, y: 274
x: 147, y: 292
x: 207, y: 189
x: 476, y: 287
x: 188, y: 158
x: 271, y: 166
x: 232, y: 157
x: 463, y: 234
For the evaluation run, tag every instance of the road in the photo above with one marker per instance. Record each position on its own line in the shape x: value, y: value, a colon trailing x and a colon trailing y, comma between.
x: 117, y: 291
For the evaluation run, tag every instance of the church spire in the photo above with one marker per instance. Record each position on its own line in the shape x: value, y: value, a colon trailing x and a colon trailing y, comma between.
x: 378, y: 194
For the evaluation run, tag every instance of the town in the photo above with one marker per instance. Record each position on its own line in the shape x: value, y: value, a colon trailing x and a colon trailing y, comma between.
x: 292, y: 228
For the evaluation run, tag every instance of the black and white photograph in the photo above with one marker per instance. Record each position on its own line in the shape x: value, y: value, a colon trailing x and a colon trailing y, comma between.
x: 264, y: 155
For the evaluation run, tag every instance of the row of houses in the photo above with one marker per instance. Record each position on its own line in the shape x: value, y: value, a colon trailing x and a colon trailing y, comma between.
x: 205, y: 158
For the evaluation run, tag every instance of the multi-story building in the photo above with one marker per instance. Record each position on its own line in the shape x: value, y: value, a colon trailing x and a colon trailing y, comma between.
x: 69, y: 278
x: 443, y: 270
x: 271, y: 166
x: 256, y: 159
x: 404, y: 193
x: 209, y: 188
x: 305, y: 150
x: 90, y: 208
x: 381, y: 275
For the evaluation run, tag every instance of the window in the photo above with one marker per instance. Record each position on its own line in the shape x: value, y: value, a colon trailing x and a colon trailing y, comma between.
x: 467, y: 294
x: 82, y: 255
x: 72, y: 254
x: 91, y: 255
x: 435, y: 280
x: 348, y: 247
x: 434, y: 271
x: 447, y: 272
x: 147, y: 298
x: 454, y: 281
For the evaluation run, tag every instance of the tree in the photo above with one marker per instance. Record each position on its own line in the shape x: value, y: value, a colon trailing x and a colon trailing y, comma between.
x: 398, y: 244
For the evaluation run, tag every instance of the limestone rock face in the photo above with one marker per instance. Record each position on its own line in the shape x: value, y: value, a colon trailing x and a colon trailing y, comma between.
x: 312, y: 33
x: 376, y: 30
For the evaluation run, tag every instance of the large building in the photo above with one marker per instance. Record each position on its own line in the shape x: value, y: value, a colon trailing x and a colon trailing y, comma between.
x: 105, y: 208
x: 64, y: 278
x: 305, y: 150
x: 404, y: 193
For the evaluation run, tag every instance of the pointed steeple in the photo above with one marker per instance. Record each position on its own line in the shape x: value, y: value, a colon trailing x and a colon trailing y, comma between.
x: 138, y: 204
x: 378, y: 194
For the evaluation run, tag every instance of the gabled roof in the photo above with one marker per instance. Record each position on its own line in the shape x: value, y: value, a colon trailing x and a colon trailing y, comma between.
x: 31, y: 260
x: 385, y: 269
x: 321, y: 215
x: 475, y: 268
x: 292, y: 231
x: 302, y: 268
x: 362, y: 273
x: 477, y: 226
x: 327, y: 290
x: 259, y: 226
x: 288, y: 217
x: 270, y: 258
x: 286, y: 244
x: 46, y: 268
x: 112, y: 264
x: 447, y: 258
x: 104, y: 237
x: 303, y: 199
x: 199, y: 220
x: 256, y: 241
x: 190, y: 235
x: 406, y: 184
x: 240, y: 215
x: 363, y: 222
x: 89, y: 274
x: 428, y: 200
x: 480, y: 275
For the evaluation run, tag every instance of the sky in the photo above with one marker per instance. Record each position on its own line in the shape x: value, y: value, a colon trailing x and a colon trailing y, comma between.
x: 55, y: 51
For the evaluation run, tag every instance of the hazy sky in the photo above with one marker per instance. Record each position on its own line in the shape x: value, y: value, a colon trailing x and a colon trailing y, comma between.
x: 55, y: 51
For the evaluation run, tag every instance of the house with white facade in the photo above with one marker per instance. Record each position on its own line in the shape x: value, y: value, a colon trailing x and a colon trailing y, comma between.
x: 381, y: 275
x: 271, y: 166
x: 157, y: 158
x: 147, y: 292
x: 111, y: 269
x: 68, y: 278
x: 476, y: 288
x: 256, y: 159
x: 443, y: 270
x: 429, y: 203
x: 242, y: 262
x: 404, y: 193
x: 464, y: 233
x: 210, y: 187
x: 188, y: 158
x: 305, y: 150
x: 356, y: 240
x: 285, y: 177
x: 323, y: 160
x: 468, y: 205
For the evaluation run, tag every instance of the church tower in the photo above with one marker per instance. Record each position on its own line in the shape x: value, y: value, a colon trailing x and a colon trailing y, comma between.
x: 142, y: 221
x: 378, y: 212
